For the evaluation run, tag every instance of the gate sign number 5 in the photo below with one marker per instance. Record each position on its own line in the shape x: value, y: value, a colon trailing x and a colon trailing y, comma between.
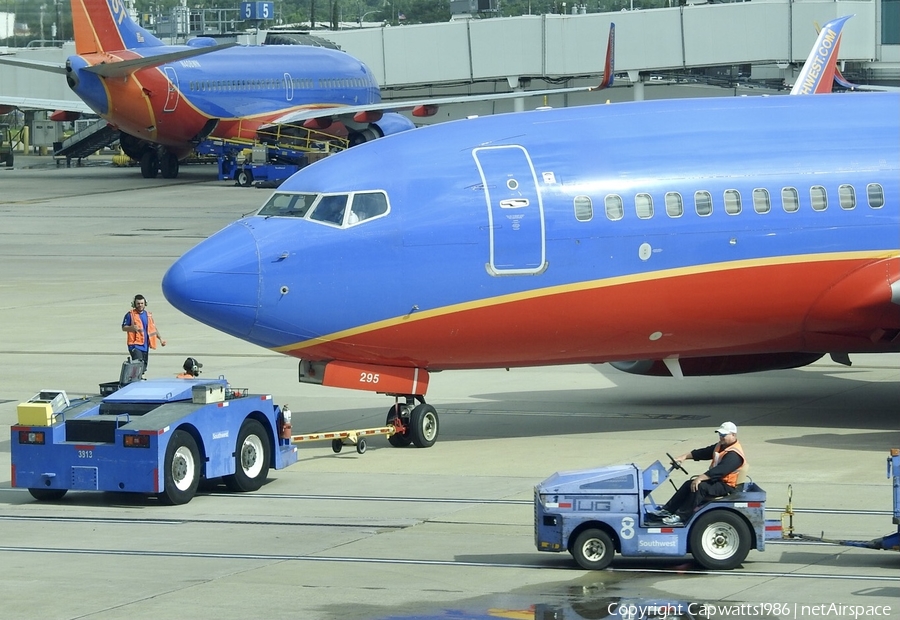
x: 258, y: 10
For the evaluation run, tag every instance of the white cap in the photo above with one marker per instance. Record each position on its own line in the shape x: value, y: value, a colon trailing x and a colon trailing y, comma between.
x: 727, y: 428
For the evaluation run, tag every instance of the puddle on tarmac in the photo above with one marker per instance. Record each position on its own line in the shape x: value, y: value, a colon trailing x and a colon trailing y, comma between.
x: 615, y: 596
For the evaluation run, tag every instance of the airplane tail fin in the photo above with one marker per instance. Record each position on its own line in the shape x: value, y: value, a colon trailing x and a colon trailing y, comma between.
x: 105, y: 26
x: 609, y: 69
x: 818, y: 72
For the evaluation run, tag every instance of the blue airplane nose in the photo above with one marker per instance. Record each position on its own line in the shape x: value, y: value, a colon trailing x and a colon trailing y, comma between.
x: 217, y: 282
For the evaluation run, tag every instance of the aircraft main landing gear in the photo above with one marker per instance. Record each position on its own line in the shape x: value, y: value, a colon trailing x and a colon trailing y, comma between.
x: 414, y: 424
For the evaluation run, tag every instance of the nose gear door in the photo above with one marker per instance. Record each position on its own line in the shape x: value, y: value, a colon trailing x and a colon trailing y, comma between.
x: 515, y: 210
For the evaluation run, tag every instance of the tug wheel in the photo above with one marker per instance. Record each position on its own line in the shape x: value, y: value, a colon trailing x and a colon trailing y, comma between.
x: 244, y: 178
x: 720, y: 540
x: 182, y: 469
x: 47, y: 495
x: 593, y: 549
x: 251, y: 458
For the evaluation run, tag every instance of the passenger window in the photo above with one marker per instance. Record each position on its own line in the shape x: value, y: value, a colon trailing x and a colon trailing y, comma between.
x: 847, y: 197
x: 330, y: 209
x: 790, y: 200
x: 365, y: 206
x: 615, y: 209
x: 584, y: 208
x: 875, y: 195
x: 703, y: 203
x: 643, y: 206
x: 674, y: 204
x: 288, y: 205
x: 819, y: 198
x: 761, y: 203
x: 732, y: 201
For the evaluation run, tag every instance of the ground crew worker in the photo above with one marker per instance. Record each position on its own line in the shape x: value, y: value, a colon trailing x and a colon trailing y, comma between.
x: 191, y: 369
x: 720, y: 479
x: 142, y: 334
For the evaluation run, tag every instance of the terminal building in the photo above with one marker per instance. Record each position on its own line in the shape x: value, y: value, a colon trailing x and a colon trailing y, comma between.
x: 693, y: 49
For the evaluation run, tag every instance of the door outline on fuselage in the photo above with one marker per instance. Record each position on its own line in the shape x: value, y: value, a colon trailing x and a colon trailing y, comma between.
x: 515, y: 210
x: 288, y: 87
x: 172, y: 94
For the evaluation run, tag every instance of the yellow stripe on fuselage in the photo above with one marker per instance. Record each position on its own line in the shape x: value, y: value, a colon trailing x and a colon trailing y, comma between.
x: 872, y: 255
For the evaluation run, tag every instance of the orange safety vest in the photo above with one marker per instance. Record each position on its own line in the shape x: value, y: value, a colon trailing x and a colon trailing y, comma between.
x: 730, y: 479
x: 137, y: 338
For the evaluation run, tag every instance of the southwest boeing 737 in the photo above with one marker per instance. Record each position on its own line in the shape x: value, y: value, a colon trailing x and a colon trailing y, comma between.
x: 702, y: 236
x: 166, y: 99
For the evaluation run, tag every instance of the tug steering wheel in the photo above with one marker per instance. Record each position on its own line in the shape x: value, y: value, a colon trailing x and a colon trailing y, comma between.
x: 676, y: 464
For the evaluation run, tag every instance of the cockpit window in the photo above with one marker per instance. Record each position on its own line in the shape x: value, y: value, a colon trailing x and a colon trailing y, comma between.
x: 288, y: 205
x: 330, y: 209
x: 366, y: 205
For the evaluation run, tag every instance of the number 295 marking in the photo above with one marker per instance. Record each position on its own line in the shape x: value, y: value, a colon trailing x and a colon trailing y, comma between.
x: 369, y: 377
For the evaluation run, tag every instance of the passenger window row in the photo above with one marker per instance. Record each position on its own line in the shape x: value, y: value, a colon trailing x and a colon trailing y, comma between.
x: 731, y: 202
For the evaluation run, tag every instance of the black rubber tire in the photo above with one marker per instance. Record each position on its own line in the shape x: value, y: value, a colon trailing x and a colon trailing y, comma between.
x: 399, y: 440
x: 424, y: 426
x: 593, y: 549
x: 149, y: 165
x: 168, y: 166
x: 720, y: 540
x: 47, y: 495
x: 182, y: 470
x: 244, y: 177
x: 10, y: 159
x: 251, y: 458
x: 337, y: 445
x: 361, y: 446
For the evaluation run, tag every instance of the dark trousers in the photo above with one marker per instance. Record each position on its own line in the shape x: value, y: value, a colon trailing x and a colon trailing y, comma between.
x: 686, y: 502
x: 137, y: 354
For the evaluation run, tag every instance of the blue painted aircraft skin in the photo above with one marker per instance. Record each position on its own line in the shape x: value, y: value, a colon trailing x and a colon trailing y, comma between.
x: 482, y: 259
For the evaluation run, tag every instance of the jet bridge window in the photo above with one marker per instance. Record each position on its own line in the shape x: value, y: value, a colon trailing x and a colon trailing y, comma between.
x: 875, y: 195
x: 790, y: 200
x: 819, y: 198
x: 330, y: 209
x: 288, y: 205
x: 365, y: 206
x: 703, y: 203
x: 584, y: 208
x: 847, y: 197
x: 732, y: 201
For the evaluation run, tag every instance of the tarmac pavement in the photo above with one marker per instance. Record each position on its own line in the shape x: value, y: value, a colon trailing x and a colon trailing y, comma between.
x: 444, y: 532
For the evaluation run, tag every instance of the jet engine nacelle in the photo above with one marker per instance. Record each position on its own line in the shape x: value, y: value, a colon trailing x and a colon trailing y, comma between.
x: 390, y: 123
x: 720, y: 365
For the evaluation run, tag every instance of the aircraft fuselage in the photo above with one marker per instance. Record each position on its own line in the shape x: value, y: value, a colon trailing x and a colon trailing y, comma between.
x: 627, y: 231
x: 241, y: 88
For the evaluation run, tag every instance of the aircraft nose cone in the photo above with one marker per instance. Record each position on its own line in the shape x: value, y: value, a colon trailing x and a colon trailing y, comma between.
x: 217, y: 282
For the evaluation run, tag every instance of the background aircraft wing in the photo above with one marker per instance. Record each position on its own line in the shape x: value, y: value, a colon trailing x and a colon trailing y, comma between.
x: 39, y: 65
x: 124, y: 68
x: 29, y: 103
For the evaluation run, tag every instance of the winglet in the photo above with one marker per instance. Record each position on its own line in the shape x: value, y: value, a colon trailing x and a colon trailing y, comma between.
x: 609, y: 69
x: 105, y: 26
x: 817, y: 74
